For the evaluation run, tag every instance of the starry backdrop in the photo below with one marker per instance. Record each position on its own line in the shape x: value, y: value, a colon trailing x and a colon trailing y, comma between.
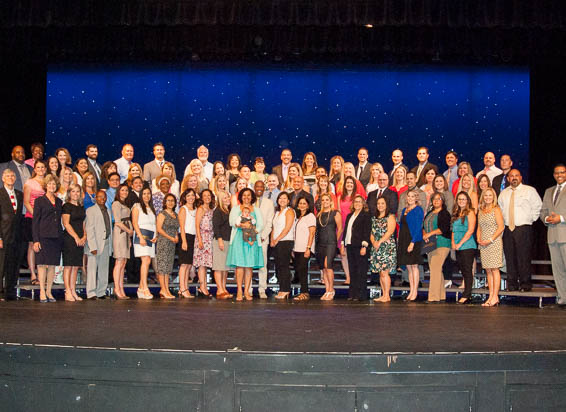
x: 257, y: 111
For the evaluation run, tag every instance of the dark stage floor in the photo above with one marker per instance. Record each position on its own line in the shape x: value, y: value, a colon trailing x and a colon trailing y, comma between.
x: 270, y: 326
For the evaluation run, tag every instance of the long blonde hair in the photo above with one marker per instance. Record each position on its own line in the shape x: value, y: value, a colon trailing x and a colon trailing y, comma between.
x: 482, y: 205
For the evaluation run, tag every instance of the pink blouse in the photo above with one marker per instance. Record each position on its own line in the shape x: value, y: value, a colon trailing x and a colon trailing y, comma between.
x: 36, y: 190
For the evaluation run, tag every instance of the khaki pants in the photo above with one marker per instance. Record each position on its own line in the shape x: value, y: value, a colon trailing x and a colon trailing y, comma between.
x: 436, y: 258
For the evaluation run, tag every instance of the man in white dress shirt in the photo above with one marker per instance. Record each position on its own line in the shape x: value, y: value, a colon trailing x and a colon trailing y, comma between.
x: 489, y: 167
x: 123, y: 163
x: 202, y: 155
x: 552, y: 214
x: 521, y: 206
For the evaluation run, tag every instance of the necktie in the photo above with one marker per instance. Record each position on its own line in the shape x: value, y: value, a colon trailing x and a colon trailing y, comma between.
x: 13, y: 199
x: 379, y: 193
x: 269, y: 195
x: 161, y: 164
x: 557, y: 194
x: 503, y: 181
x: 512, y: 211
x: 449, y: 173
x: 360, y: 170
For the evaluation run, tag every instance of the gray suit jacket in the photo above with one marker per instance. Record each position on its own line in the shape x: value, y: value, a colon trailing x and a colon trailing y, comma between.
x: 19, y: 185
x: 96, y: 230
x: 365, y: 175
x: 403, y: 201
x: 91, y: 170
x: 556, y: 233
x: 151, y: 170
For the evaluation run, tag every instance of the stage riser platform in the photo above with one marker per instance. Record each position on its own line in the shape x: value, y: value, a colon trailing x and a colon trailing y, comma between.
x: 53, y: 378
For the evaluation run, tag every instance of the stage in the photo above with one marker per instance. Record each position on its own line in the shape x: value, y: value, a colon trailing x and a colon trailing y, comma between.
x: 261, y: 355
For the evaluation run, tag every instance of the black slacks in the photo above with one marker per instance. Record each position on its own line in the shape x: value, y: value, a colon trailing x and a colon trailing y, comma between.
x: 9, y: 269
x: 282, y: 256
x: 465, y: 259
x: 517, y: 247
x: 133, y: 267
x: 301, y: 264
x: 359, y: 266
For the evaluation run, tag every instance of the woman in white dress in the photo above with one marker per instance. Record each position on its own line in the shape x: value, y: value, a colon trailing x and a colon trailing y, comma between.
x: 143, y: 221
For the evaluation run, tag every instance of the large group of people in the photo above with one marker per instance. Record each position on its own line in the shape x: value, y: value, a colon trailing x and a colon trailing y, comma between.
x: 121, y: 217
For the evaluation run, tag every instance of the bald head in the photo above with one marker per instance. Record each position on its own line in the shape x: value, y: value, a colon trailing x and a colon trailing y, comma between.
x: 382, y: 180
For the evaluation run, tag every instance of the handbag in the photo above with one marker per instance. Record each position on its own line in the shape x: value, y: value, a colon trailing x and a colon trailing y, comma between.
x: 429, y: 246
x: 147, y: 235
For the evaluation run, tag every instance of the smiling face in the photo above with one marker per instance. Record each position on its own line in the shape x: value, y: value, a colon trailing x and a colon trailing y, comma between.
x: 293, y: 172
x: 430, y: 175
x: 560, y: 174
x: 309, y: 161
x: 18, y: 154
x: 82, y: 166
x: 286, y: 156
x: 489, y: 159
x: 234, y: 162
x: 358, y: 204
x: 192, y: 182
x: 202, y: 154
x: 422, y: 155
x: 242, y: 184
x: 100, y: 198
x: 349, y: 169
x: 51, y: 187
x: 462, y: 201
x: 297, y: 183
x: 400, y: 175
x: 135, y: 171
x: 382, y: 180
x: 272, y: 182
x: 259, y: 188
x: 92, y: 153
x: 437, y: 201
x: 259, y: 167
x: 159, y: 152
x: 320, y: 171
x: 164, y: 186
x: 397, y: 157
x: 463, y: 169
x: 466, y: 182
x: 37, y: 153
x: 53, y: 164
x: 137, y: 185
x: 245, y: 172
x: 196, y: 168
x: 336, y: 165
x: 362, y: 156
x: 488, y: 197
x: 411, y: 179
x: 40, y: 169
x: 225, y: 199
x: 326, y: 202
x: 67, y: 176
x: 283, y: 200
x: 451, y: 160
x: 303, y: 205
x: 123, y: 193
x: 349, y: 186
x: 170, y: 203
x: 62, y: 157
x: 219, y: 169
x: 75, y: 194
x: 246, y: 197
x: 438, y: 183
x: 190, y: 198
x: 381, y: 205
x: 167, y: 170
x: 90, y: 181
x: 146, y: 195
x: 128, y: 152
x: 515, y: 178
x: 411, y: 198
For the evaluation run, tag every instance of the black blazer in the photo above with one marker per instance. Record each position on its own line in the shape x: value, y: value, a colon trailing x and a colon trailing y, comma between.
x: 391, y: 172
x: 361, y: 230
x: 132, y: 199
x: 365, y: 175
x: 10, y: 221
x: 46, y: 222
x: 444, y: 222
x: 390, y: 198
x: 496, y: 183
x: 422, y: 177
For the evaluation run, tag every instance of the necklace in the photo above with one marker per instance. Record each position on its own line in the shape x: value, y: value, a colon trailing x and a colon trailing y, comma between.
x: 327, y: 218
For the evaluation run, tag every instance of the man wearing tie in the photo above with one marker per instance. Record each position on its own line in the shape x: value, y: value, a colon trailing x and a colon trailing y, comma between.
x: 382, y: 191
x: 11, y: 204
x: 552, y: 214
x: 520, y: 205
x: 282, y: 169
x: 423, y: 166
x: 500, y: 181
x: 123, y: 163
x: 363, y: 169
x: 451, y: 174
x: 152, y: 169
x: 21, y: 170
x: 98, y: 229
x: 93, y: 166
x: 267, y: 211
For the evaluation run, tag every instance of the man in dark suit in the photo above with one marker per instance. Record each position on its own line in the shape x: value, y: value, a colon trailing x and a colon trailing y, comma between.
x: 363, y: 169
x: 382, y: 191
x: 500, y: 181
x: 423, y: 166
x: 22, y: 171
x: 397, y: 159
x: 93, y: 166
x: 11, y: 204
x: 282, y: 169
x: 298, y: 184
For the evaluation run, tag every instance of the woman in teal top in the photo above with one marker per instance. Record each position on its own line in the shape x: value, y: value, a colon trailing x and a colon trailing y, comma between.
x: 463, y: 227
x: 241, y: 255
x: 437, y: 226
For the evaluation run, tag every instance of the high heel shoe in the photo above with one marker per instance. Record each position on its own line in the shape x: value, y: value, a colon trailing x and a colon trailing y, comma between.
x: 78, y: 298
x: 328, y: 296
x: 185, y: 294
x: 248, y: 297
x: 144, y: 294
x: 468, y: 301
x: 164, y: 296
x: 282, y: 295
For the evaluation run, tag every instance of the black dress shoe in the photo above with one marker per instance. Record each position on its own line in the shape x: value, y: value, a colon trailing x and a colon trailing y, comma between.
x: 92, y: 298
x: 101, y: 297
x: 526, y: 289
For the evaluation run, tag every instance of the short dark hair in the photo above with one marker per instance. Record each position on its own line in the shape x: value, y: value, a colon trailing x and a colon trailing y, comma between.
x: 158, y: 144
x: 452, y: 152
x: 363, y: 148
x: 134, y: 179
x: 246, y: 189
x: 558, y: 165
x: 423, y: 147
x: 91, y: 146
x: 37, y: 144
x: 116, y: 174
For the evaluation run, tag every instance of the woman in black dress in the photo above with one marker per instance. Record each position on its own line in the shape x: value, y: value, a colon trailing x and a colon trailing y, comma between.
x: 47, y: 236
x: 328, y: 231
x: 74, y: 238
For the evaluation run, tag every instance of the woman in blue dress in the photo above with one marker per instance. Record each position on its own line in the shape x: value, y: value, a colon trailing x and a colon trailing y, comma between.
x: 241, y: 255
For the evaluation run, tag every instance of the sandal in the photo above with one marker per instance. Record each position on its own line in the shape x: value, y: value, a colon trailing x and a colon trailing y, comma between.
x: 302, y: 297
x: 34, y: 281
